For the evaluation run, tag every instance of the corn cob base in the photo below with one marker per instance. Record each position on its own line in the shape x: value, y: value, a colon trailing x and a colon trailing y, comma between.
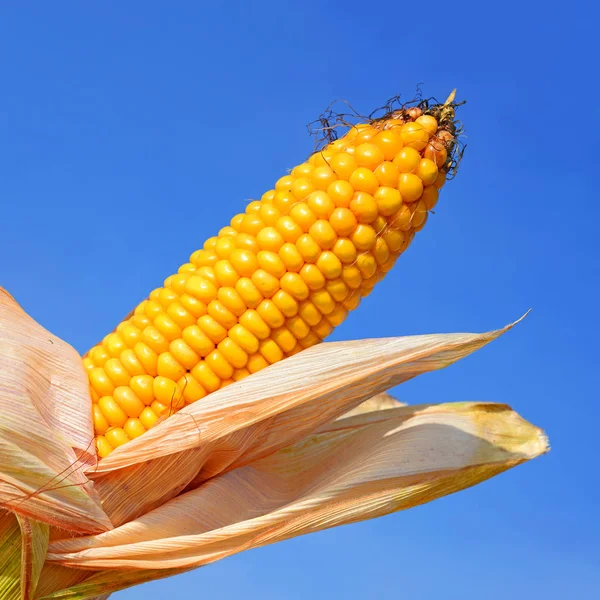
x: 280, y: 277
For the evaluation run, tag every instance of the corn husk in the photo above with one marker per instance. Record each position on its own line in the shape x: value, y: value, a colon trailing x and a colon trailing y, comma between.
x: 307, y: 444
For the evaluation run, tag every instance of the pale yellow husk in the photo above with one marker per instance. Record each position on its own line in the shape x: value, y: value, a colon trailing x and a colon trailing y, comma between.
x: 307, y: 444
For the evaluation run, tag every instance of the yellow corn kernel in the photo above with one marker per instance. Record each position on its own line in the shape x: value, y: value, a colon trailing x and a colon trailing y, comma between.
x: 389, y: 142
x: 309, y: 312
x: 266, y: 284
x: 226, y: 382
x: 224, y: 247
x: 142, y: 387
x: 269, y: 214
x: 134, y: 428
x: 204, y: 258
x: 430, y: 196
x: 244, y: 338
x: 329, y: 265
x: 100, y: 422
x: 140, y: 321
x: 244, y: 241
x: 284, y: 338
x: 343, y: 165
x: 302, y: 186
x: 131, y: 405
x: 166, y: 296
x: 303, y: 216
x: 256, y: 363
x: 191, y: 389
x: 291, y: 257
x: 394, y: 240
x: 183, y: 353
x: 294, y: 284
x: 285, y: 303
x: 271, y: 315
x: 310, y: 340
x: 159, y: 409
x: 196, y: 307
x: 226, y: 274
x: 381, y: 252
x: 201, y: 288
x: 169, y: 367
x: 99, y: 355
x: 410, y: 187
x: 308, y: 248
x: 364, y: 180
x: 217, y: 362
x: 323, y: 329
x: 298, y: 327
x: 197, y: 340
x: 88, y: 363
x: 255, y: 324
x: 166, y: 391
x: 221, y: 314
x: 341, y: 193
x: 343, y: 221
x: 152, y: 309
x: 114, y: 344
x: 130, y: 334
x: 388, y: 200
x: 240, y: 374
x: 180, y: 315
x: 253, y: 207
x: 103, y: 448
x: 148, y: 417
x: 323, y: 233
x: 116, y: 371
x: 312, y: 276
x: 248, y: 292
x: 288, y: 229
x: 363, y: 237
x: 232, y: 300
x: 206, y: 377
x: 283, y: 201
x: 112, y: 412
x: 321, y: 204
x: 232, y: 352
x: 243, y: 261
x: 337, y: 316
x: 100, y: 381
x: 321, y: 177
x: 270, y: 351
x: 271, y: 263
x: 364, y: 207
x: 352, y: 301
x: 337, y: 289
x: 268, y: 238
x: 116, y: 437
x: 323, y: 301
x: 251, y: 224
x: 155, y: 339
x: 214, y: 330
x: 366, y: 265
x: 351, y: 277
x: 345, y: 250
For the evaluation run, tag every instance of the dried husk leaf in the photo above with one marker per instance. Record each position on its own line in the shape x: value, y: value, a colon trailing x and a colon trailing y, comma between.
x: 23, y: 545
x: 45, y: 426
x: 263, y: 413
x: 352, y: 469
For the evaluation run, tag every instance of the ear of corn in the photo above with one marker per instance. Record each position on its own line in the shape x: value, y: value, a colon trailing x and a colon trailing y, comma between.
x: 278, y: 279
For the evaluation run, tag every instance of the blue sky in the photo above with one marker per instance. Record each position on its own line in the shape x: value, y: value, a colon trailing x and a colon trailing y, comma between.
x: 131, y: 131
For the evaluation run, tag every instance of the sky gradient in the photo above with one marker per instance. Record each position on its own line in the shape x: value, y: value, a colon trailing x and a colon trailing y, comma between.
x: 132, y: 131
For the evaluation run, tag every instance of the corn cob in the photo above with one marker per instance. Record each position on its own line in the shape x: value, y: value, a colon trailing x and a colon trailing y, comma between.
x: 279, y: 278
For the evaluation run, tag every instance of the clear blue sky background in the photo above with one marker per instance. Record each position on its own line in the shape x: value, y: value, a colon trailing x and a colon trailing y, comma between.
x: 131, y: 131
